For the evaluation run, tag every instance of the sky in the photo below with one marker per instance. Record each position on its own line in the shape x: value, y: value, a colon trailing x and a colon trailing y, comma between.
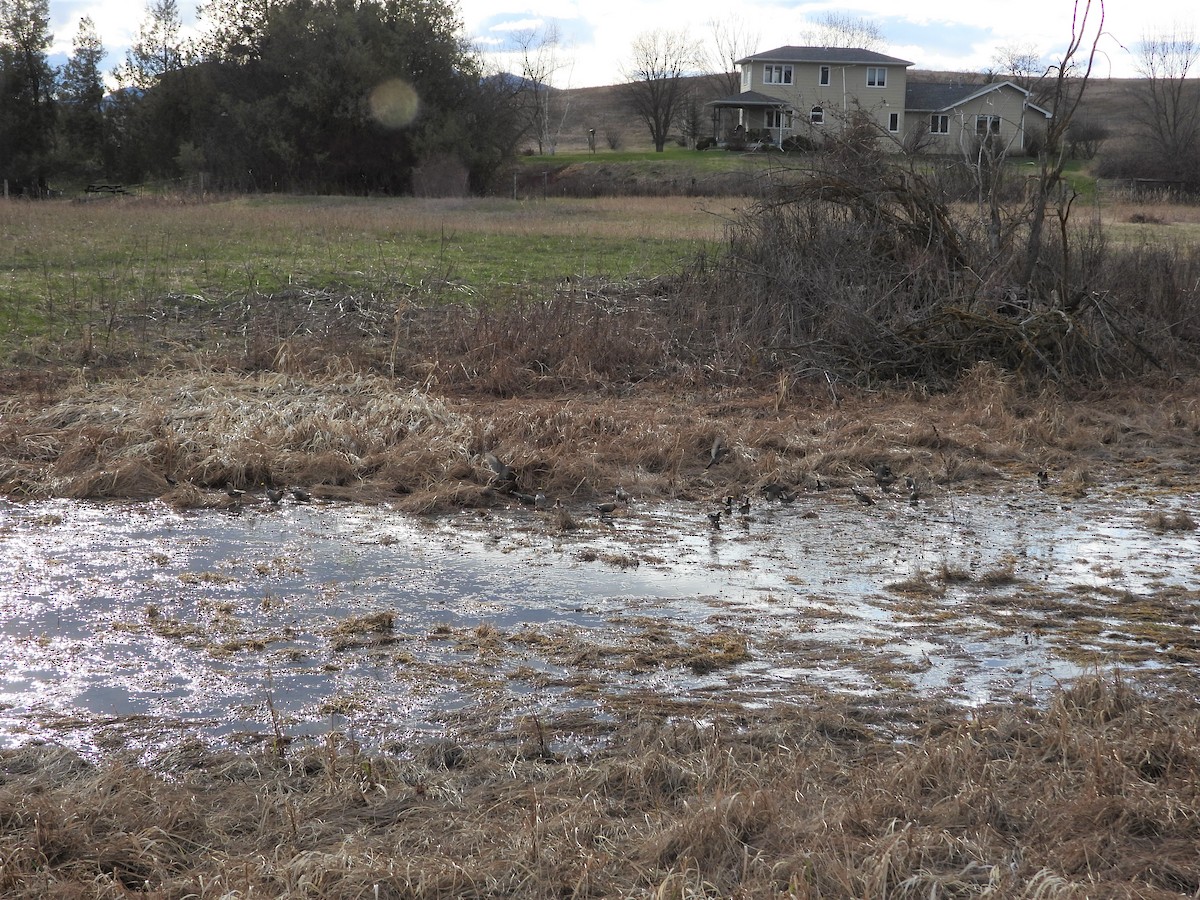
x: 596, y: 35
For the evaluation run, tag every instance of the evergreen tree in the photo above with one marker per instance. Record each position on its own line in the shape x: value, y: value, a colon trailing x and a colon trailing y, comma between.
x: 26, y: 94
x: 338, y: 95
x: 81, y: 105
x: 157, y: 50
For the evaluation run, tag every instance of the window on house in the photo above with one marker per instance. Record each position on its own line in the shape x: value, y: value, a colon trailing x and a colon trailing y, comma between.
x: 779, y: 118
x: 876, y: 76
x: 817, y: 116
x: 985, y: 125
x: 939, y: 124
x: 777, y: 74
x: 746, y: 78
x: 893, y: 122
x: 824, y: 76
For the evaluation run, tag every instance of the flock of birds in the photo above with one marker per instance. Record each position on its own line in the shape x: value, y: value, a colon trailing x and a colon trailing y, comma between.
x: 505, y: 481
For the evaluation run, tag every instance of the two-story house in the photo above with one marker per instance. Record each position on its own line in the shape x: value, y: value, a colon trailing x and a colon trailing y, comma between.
x: 804, y: 90
x: 808, y: 91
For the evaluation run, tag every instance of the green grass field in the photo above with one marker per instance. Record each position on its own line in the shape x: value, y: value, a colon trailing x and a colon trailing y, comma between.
x: 70, y: 261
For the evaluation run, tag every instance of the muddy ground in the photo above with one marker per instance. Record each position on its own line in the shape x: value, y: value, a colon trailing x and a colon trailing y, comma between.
x: 413, y: 676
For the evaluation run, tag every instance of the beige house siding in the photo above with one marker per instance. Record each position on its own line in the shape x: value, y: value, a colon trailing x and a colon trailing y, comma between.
x: 847, y: 90
x: 1006, y: 107
x: 781, y: 88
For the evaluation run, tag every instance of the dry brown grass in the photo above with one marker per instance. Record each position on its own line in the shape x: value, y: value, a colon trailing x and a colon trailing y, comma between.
x: 371, y: 438
x: 1094, y: 795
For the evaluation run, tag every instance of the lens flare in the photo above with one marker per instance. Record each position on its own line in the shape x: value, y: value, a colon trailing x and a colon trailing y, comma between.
x: 394, y: 103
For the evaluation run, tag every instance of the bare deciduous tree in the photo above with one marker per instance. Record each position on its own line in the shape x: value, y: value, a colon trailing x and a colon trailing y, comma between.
x: 1024, y: 67
x: 1065, y: 92
x: 835, y: 29
x: 731, y: 40
x: 656, y: 86
x: 541, y: 64
x: 1168, y: 101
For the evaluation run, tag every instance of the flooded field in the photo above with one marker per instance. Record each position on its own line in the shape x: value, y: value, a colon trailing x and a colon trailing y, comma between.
x: 131, y: 625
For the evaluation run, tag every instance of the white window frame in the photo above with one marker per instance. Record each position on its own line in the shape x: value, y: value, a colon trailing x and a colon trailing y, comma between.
x: 777, y: 73
x: 747, y: 77
x: 877, y: 76
x: 985, y: 125
x: 939, y: 123
x: 893, y: 122
x: 825, y: 74
x: 779, y: 118
x: 816, y: 116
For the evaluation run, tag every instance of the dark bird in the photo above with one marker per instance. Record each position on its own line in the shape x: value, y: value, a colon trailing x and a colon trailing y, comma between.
x: 818, y: 484
x: 274, y: 495
x: 235, y: 493
x: 718, y: 452
x: 775, y: 491
x: 914, y: 490
x: 607, y: 509
x: 884, y: 477
x: 526, y: 499
x: 744, y: 506
x: 729, y: 504
x: 504, y: 476
x: 714, y: 519
x: 1043, y: 478
x: 300, y: 495
x: 622, y: 495
x: 862, y: 497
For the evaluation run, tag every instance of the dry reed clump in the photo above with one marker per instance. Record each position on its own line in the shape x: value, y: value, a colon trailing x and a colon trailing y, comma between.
x: 367, y: 630
x: 217, y: 431
x: 187, y: 438
x: 1164, y: 521
x: 1096, y: 794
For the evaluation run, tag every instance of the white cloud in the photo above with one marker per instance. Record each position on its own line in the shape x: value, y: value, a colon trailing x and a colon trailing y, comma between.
x: 932, y: 33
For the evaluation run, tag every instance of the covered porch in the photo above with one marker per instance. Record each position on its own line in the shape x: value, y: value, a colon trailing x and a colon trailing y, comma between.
x: 759, y: 118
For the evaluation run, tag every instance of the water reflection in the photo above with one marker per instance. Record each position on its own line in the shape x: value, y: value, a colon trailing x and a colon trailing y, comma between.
x: 137, y: 613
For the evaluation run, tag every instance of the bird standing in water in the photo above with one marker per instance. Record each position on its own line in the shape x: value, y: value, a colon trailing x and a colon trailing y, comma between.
x: 862, y: 497
x: 274, y: 494
x: 914, y: 490
x: 884, y: 477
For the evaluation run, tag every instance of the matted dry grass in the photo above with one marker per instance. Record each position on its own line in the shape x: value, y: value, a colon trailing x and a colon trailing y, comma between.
x: 195, y: 437
x: 1095, y: 795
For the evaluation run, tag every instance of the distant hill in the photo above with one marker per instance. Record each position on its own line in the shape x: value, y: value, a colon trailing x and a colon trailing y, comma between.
x: 1107, y: 101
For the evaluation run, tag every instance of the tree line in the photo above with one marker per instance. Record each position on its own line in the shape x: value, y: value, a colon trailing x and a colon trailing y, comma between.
x: 364, y: 96
x: 349, y: 96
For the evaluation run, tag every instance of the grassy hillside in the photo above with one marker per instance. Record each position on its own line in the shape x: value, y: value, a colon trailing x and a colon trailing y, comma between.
x: 1106, y: 100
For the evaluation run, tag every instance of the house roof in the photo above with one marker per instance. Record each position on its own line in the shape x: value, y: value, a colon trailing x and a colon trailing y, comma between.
x: 747, y: 99
x: 853, y: 56
x: 925, y: 96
